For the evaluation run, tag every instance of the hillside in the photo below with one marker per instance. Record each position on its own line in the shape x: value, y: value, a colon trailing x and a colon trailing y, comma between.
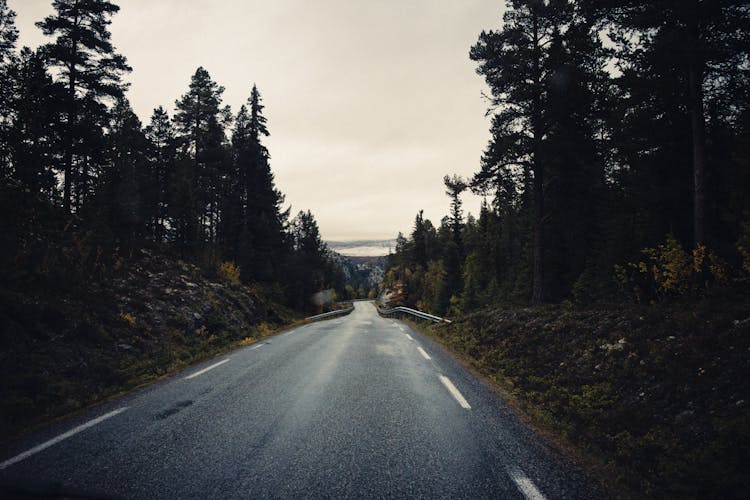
x: 63, y: 348
x: 361, y: 275
x: 655, y: 396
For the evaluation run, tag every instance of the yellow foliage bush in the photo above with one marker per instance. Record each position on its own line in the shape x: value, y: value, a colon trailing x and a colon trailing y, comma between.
x: 699, y: 257
x: 670, y: 265
x: 720, y: 270
x: 247, y: 341
x: 127, y: 318
x: 229, y: 272
x: 264, y: 330
x: 669, y: 269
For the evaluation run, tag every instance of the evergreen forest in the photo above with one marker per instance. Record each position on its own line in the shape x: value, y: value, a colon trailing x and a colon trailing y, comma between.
x: 86, y: 184
x: 618, y: 167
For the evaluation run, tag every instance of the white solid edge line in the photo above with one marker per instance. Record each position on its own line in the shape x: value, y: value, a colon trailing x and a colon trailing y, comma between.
x: 206, y: 369
x: 455, y: 392
x: 423, y: 353
x: 54, y: 441
x: 409, y: 337
x: 525, y: 485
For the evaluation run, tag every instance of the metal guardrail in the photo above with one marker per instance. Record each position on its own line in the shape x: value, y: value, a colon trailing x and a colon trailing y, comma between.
x: 413, y: 312
x: 332, y: 313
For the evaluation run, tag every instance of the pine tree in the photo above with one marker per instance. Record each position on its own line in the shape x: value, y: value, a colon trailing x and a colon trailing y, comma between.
x: 88, y: 63
x: 515, y: 64
x: 695, y: 45
x: 8, y: 32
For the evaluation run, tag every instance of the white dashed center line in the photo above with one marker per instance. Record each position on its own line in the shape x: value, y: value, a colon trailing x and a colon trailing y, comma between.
x: 54, y: 441
x: 525, y: 485
x: 253, y: 348
x: 423, y: 353
x: 409, y: 337
x: 455, y: 392
x: 209, y: 368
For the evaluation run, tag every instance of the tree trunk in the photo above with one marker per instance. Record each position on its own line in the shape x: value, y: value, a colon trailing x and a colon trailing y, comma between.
x: 72, y: 116
x: 537, y: 285
x: 69, y: 144
x: 695, y: 82
x: 537, y: 289
x: 66, y: 180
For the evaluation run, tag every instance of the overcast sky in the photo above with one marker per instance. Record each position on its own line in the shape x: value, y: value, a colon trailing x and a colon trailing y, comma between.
x: 369, y: 102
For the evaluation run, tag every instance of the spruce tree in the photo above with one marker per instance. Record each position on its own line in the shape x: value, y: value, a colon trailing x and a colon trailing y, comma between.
x: 455, y: 186
x: 419, y: 237
x: 453, y: 251
x: 262, y: 249
x: 199, y: 122
x: 575, y: 193
x: 126, y: 182
x: 35, y: 128
x: 310, y: 268
x: 162, y: 158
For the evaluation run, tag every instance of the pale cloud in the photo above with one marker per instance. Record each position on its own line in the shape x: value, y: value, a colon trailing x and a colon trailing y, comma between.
x: 369, y: 102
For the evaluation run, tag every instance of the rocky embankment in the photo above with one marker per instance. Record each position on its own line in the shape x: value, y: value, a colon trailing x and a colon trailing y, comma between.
x: 65, y: 346
x: 656, y: 397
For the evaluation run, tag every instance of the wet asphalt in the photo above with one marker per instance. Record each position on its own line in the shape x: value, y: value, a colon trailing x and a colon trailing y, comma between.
x: 344, y: 408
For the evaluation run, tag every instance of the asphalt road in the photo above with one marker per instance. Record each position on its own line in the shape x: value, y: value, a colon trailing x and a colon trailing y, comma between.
x: 358, y: 406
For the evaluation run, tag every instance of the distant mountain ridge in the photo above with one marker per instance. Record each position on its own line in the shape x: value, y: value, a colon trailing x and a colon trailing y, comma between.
x: 363, y: 248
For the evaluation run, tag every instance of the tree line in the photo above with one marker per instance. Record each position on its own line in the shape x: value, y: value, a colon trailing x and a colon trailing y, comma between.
x: 197, y: 183
x: 618, y: 160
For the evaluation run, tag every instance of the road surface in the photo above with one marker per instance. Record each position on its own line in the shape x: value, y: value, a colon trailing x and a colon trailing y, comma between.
x: 357, y: 406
